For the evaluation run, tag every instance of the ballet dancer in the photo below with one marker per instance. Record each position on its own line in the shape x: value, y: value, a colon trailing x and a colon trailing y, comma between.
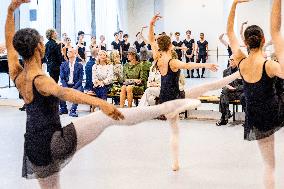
x: 170, y: 70
x: 263, y: 116
x: 49, y: 147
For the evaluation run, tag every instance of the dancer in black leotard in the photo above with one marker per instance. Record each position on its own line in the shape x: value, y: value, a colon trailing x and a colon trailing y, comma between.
x: 48, y: 146
x: 263, y: 113
x: 170, y: 69
x: 170, y: 85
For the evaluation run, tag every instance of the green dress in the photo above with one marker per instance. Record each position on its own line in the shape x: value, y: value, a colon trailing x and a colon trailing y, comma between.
x: 136, y: 71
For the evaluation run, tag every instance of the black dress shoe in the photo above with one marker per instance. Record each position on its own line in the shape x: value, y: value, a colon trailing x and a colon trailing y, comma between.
x: 202, y: 76
x: 222, y: 122
x: 23, y: 108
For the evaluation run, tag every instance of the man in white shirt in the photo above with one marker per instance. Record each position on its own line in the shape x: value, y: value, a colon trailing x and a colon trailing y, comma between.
x: 71, y: 76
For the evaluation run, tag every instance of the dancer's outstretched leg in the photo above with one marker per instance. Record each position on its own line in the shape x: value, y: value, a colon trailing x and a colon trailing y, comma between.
x: 266, y: 147
x: 197, y: 91
x: 89, y: 127
x: 51, y: 182
x: 175, y: 142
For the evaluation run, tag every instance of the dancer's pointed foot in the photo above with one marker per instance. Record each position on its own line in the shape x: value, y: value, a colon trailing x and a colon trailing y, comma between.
x: 177, y: 106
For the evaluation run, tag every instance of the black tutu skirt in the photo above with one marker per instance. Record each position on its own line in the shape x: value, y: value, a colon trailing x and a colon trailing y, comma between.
x: 41, y: 161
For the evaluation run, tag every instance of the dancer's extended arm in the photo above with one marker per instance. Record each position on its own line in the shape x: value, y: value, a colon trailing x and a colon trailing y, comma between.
x: 234, y: 43
x: 277, y: 38
x: 47, y: 86
x: 177, y: 64
x: 199, y: 90
x: 13, y: 59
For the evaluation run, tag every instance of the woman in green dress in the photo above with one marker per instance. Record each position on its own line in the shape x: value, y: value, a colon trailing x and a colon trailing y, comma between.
x: 133, y: 78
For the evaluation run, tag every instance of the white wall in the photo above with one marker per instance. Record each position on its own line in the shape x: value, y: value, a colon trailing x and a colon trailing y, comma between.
x: 139, y: 15
x: 207, y: 16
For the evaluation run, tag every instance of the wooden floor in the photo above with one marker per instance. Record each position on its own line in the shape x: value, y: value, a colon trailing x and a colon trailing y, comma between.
x: 139, y: 157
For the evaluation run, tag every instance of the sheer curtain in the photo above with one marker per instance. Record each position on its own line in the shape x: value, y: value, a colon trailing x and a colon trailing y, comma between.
x: 122, y: 14
x: 76, y: 16
x: 106, y: 19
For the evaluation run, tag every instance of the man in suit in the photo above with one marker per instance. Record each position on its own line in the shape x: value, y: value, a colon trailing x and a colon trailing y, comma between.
x: 233, y: 91
x: 71, y: 76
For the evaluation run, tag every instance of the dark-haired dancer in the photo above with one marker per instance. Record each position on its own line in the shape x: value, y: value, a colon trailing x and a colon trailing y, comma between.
x: 189, y: 43
x: 263, y: 117
x: 48, y: 146
x: 170, y: 70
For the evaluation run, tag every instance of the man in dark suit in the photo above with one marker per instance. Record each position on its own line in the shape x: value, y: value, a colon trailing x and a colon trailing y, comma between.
x: 233, y: 91
x: 53, y: 54
x: 71, y: 76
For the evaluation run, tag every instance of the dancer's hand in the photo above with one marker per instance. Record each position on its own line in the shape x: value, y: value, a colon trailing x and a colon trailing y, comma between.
x: 111, y: 111
x: 17, y: 3
x: 155, y: 19
x: 212, y: 67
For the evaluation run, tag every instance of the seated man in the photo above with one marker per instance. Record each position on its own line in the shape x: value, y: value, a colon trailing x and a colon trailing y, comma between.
x: 231, y: 92
x: 71, y: 75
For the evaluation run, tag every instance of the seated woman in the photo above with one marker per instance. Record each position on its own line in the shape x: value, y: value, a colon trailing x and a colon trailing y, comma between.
x: 153, y: 87
x: 117, y: 75
x: 102, y: 75
x: 133, y: 75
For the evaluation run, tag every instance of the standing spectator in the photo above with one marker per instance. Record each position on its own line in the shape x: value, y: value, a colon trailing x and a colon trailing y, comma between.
x: 116, y: 44
x: 94, y: 48
x: 202, y: 53
x: 53, y: 54
x: 139, y: 42
x: 66, y: 47
x: 102, y: 75
x: 102, y: 45
x: 189, y: 43
x: 120, y: 35
x: 71, y: 76
x: 177, y: 43
x: 81, y: 47
x: 125, y: 47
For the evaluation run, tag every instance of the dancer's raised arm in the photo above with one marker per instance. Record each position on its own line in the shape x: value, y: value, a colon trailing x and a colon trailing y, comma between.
x: 223, y: 41
x: 151, y: 37
x: 242, y: 31
x: 13, y: 59
x: 277, y: 38
x: 234, y: 43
